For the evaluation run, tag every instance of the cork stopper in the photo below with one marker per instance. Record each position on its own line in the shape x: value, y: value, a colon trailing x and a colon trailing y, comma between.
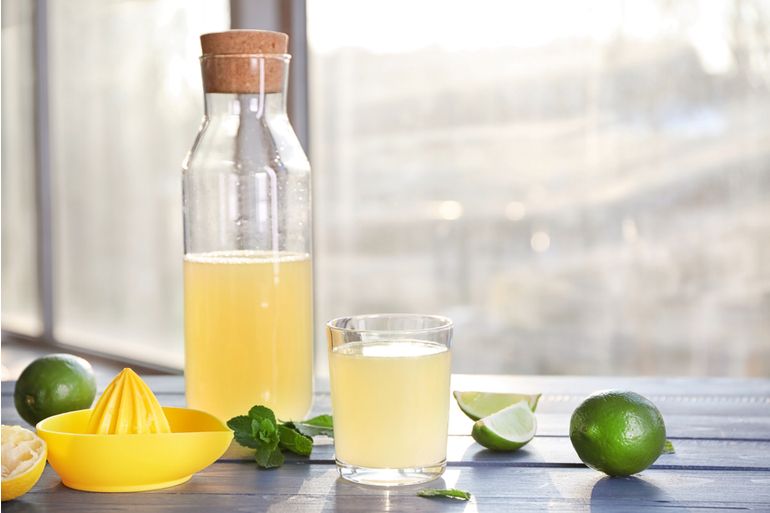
x: 244, y: 41
x: 244, y: 61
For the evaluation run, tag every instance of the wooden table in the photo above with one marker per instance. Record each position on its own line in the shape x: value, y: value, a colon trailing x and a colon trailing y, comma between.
x: 720, y: 429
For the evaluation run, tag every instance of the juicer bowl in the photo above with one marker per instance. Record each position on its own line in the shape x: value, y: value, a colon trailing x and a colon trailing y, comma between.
x: 133, y: 462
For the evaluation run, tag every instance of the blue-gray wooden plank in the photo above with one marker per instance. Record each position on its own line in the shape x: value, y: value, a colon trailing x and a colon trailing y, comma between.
x: 716, y: 408
x: 296, y: 488
x: 699, y: 427
x: 558, y: 451
x: 688, y: 388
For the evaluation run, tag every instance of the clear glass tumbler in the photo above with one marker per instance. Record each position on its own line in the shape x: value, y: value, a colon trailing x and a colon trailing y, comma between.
x: 390, y: 396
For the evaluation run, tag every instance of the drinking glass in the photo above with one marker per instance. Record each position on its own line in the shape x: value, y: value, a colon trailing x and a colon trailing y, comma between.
x: 390, y: 396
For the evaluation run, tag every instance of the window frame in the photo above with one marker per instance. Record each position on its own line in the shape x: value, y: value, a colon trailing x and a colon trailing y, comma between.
x: 284, y: 16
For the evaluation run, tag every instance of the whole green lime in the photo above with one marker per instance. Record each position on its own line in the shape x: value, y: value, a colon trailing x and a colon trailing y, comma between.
x: 617, y: 432
x: 53, y: 384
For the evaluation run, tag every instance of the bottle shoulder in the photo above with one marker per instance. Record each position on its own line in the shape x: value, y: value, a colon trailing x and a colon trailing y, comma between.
x: 193, y: 152
x: 224, y: 144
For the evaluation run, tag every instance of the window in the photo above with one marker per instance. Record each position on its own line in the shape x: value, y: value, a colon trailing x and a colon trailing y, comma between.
x: 21, y: 305
x: 124, y: 106
x: 582, y: 186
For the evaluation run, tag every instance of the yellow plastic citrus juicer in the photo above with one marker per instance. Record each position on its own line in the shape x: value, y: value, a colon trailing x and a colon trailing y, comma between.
x: 129, y: 443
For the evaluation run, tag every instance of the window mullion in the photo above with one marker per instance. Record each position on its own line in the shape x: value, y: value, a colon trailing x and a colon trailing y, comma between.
x: 43, y: 172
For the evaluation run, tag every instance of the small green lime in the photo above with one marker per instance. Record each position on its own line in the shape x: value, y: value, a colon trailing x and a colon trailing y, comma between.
x: 507, y: 430
x: 53, y: 384
x: 616, y: 432
x: 477, y: 405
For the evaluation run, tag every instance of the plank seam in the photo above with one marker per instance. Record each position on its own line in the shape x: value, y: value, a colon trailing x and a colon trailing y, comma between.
x: 509, y: 464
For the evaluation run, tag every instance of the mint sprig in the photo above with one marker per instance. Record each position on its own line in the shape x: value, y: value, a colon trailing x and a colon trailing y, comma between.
x: 320, y: 425
x: 259, y: 430
x: 294, y: 441
x: 451, y: 493
x: 243, y: 434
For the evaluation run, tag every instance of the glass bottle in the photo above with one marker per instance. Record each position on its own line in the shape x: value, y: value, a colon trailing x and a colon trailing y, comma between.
x: 247, y: 237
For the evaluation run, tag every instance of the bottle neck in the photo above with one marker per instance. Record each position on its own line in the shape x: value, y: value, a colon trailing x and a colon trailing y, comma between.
x: 258, y: 106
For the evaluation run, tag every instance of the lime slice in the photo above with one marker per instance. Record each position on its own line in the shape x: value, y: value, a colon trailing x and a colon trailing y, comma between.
x: 507, y: 430
x: 478, y: 405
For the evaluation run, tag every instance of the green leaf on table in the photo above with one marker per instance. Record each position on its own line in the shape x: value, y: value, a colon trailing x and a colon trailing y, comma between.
x: 241, y: 426
x: 294, y: 441
x: 262, y: 412
x: 668, y: 448
x: 265, y: 431
x: 268, y: 453
x: 451, y: 493
x: 260, y: 431
x: 320, y: 425
x: 269, y: 458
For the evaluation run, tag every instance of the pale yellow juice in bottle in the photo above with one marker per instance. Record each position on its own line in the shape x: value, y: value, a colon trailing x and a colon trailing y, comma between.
x: 248, y: 332
x: 390, y: 402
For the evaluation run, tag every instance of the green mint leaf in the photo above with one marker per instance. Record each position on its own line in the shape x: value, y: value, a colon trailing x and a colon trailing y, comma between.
x: 260, y: 431
x: 269, y: 458
x: 293, y: 441
x: 265, y: 432
x: 668, y: 448
x: 262, y: 412
x: 449, y: 494
x: 242, y: 431
x: 320, y: 425
x: 321, y: 421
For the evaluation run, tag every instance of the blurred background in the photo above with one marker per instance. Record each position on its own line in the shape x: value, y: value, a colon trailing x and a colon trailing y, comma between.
x: 584, y: 187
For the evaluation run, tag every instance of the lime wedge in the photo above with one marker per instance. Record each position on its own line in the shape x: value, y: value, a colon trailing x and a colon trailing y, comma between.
x: 478, y: 405
x: 507, y: 430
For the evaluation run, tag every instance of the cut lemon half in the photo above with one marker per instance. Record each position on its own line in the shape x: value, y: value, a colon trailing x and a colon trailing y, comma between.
x: 24, y: 455
x: 478, y: 405
x: 507, y: 430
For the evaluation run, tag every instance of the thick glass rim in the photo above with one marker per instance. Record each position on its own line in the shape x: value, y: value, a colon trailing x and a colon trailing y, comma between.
x: 443, y: 323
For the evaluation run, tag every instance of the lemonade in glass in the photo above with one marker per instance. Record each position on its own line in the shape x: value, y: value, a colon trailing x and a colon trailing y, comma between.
x: 390, y: 396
